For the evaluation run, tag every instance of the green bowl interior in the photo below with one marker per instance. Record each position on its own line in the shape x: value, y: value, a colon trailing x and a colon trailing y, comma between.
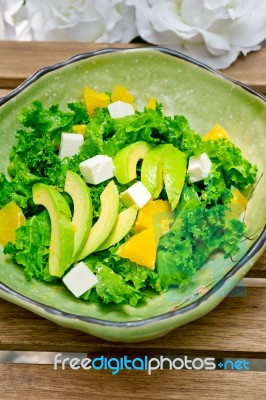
x: 205, y: 98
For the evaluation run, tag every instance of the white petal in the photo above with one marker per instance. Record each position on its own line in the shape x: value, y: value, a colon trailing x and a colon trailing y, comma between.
x: 23, y: 31
x: 12, y: 7
x: 82, y: 20
x: 199, y: 52
x: 216, y: 44
x: 251, y: 30
x: 2, y: 26
x: 214, y: 31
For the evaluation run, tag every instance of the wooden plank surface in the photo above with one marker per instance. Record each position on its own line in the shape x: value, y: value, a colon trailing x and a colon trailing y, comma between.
x: 20, y: 59
x: 4, y: 92
x: 250, y: 70
x: 259, y: 269
x: 42, y: 382
x: 235, y: 328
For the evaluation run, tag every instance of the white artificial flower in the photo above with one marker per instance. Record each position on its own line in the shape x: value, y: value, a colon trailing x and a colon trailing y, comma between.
x: 14, y: 24
x: 212, y: 31
x: 82, y: 20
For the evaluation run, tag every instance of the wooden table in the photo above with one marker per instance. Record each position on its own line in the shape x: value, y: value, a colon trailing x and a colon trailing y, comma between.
x: 236, y: 328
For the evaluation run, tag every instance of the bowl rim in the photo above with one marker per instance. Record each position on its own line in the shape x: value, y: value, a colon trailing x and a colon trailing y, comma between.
x: 252, y: 251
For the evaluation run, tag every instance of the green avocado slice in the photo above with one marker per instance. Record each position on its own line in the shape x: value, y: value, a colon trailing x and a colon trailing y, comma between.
x: 152, y: 169
x: 105, y: 223
x: 124, y: 223
x: 77, y: 188
x: 62, y: 232
x: 174, y: 173
x: 125, y: 161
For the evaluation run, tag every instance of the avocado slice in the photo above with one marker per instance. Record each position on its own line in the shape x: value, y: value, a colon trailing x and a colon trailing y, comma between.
x: 123, y: 225
x: 125, y: 161
x: 62, y: 232
x: 77, y: 188
x: 174, y: 173
x: 152, y: 169
x: 106, y: 221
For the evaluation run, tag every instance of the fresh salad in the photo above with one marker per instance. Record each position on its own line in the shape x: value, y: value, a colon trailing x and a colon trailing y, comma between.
x: 109, y: 200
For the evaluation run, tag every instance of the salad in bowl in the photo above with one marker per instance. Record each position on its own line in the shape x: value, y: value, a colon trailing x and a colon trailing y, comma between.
x: 113, y: 200
x: 129, y: 204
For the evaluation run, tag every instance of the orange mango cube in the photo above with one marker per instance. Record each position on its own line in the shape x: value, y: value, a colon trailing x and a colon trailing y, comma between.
x: 140, y: 248
x: 145, y: 215
x: 11, y: 218
x: 94, y: 99
x: 216, y: 132
x: 122, y: 94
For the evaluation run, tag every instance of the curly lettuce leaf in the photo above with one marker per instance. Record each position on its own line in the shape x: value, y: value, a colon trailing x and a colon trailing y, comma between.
x: 34, y: 156
x: 31, y: 248
x: 132, y: 273
x: 112, y: 287
x: 182, y: 136
x: 230, y: 161
x: 121, y: 280
x: 193, y: 237
x: 40, y: 119
x: 229, y: 167
x: 8, y: 194
x: 81, y: 115
x: 18, y: 190
x: 215, y: 188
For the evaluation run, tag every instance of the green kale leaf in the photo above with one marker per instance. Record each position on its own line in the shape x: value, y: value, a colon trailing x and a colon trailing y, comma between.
x: 230, y: 162
x: 194, y: 235
x: 31, y: 248
x: 229, y: 167
x: 40, y: 119
x: 112, y: 287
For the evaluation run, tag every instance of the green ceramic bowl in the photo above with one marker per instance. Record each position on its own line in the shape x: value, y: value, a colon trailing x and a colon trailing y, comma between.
x: 183, y: 86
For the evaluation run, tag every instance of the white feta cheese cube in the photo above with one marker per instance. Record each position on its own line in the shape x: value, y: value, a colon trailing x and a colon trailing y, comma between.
x: 70, y: 144
x: 120, y: 109
x: 97, y: 169
x: 80, y: 279
x: 137, y: 194
x: 199, y: 167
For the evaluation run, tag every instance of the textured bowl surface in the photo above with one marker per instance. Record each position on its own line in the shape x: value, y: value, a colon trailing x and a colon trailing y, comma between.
x: 185, y: 87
